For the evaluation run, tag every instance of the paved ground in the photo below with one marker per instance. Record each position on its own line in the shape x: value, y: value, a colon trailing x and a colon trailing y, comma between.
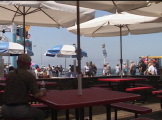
x: 99, y: 112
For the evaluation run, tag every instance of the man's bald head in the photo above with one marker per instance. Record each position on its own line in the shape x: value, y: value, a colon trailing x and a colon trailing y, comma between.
x: 24, y: 61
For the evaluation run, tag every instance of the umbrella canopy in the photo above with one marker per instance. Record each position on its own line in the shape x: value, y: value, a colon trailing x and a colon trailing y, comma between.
x: 107, y: 26
x: 153, y: 10
x: 42, y: 13
x: 118, y: 25
x: 110, y: 6
x: 64, y: 51
x: 12, y: 49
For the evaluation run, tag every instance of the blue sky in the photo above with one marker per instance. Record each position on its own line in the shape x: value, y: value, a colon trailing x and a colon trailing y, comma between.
x: 133, y: 45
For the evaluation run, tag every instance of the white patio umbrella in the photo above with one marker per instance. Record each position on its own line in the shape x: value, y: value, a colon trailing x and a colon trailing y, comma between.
x: 153, y: 10
x: 110, y: 6
x: 41, y: 13
x: 118, y: 25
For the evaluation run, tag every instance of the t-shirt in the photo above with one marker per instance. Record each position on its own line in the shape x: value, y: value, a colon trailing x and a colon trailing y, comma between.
x: 18, y: 85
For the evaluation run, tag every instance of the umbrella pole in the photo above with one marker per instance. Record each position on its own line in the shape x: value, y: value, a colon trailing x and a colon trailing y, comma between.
x: 65, y: 64
x: 121, y: 55
x: 79, y: 51
x: 24, y: 26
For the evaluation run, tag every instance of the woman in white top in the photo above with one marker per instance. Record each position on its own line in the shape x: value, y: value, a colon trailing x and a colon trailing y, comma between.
x: 86, y: 69
x: 117, y: 68
x: 152, y: 69
x: 104, y: 70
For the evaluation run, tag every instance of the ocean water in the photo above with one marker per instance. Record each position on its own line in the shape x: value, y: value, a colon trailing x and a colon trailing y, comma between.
x: 99, y: 72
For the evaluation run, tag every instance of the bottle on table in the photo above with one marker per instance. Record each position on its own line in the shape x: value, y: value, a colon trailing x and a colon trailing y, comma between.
x: 43, y: 84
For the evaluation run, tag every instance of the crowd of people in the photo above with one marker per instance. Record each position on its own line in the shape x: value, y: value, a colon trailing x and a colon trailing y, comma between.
x: 143, y: 67
x: 151, y: 67
x: 48, y: 72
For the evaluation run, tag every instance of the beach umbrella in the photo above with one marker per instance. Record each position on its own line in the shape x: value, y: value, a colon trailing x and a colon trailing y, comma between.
x: 64, y: 51
x: 41, y: 13
x: 110, y: 6
x: 153, y: 10
x: 13, y: 49
x: 119, y: 25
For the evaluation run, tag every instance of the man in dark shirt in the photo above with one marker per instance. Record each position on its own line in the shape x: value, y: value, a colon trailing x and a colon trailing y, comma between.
x: 142, y: 67
x: 19, y: 83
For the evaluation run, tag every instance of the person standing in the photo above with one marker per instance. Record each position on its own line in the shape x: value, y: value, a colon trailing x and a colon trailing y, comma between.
x: 104, y: 71
x: 87, y: 70
x: 94, y: 69
x: 108, y: 69
x: 19, y: 83
x: 125, y: 68
x: 60, y: 71
x: 57, y: 71
x: 117, y: 69
x: 152, y: 69
x: 49, y: 71
x: 132, y: 69
x: 142, y: 67
x: 91, y: 69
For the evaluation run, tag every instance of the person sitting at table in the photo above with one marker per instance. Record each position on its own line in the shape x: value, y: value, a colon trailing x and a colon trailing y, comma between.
x: 19, y: 84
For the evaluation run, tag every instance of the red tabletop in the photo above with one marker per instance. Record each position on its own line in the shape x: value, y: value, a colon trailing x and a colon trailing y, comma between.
x: 69, y: 99
x: 120, y: 79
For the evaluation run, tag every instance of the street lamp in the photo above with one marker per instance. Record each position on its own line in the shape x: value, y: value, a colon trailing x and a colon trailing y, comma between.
x: 41, y: 52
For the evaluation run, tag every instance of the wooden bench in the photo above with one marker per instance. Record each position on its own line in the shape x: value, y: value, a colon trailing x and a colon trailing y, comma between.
x: 141, y: 85
x: 142, y: 119
x: 160, y: 97
x: 144, y: 89
x: 138, y: 88
x: 16, y: 119
x: 157, y: 92
x: 130, y: 108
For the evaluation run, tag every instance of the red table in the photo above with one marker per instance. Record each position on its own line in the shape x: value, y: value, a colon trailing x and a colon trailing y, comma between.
x: 120, y: 80
x: 69, y: 99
